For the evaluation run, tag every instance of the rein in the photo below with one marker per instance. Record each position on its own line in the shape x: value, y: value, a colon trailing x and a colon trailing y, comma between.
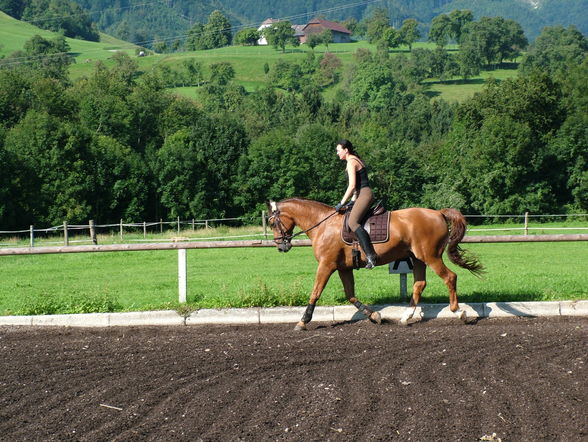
x: 313, y: 227
x: 288, y: 238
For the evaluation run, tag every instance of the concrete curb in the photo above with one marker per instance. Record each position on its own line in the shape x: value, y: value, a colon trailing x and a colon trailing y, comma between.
x: 277, y: 315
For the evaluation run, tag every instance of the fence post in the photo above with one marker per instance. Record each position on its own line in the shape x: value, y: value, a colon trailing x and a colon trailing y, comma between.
x: 160, y: 225
x: 193, y: 225
x: 121, y: 229
x: 65, y: 234
x: 526, y: 223
x: 32, y: 236
x: 144, y: 229
x: 182, y: 275
x: 93, y: 232
x: 178, y: 225
x: 264, y: 224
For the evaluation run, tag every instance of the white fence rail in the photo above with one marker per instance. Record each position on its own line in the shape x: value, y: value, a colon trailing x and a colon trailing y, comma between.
x: 177, y: 225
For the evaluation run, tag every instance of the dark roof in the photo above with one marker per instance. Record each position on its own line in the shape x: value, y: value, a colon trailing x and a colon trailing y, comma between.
x: 329, y: 25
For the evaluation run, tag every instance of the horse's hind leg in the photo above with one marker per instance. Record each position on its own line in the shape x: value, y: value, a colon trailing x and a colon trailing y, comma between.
x: 450, y: 280
x: 420, y: 282
x: 348, y: 281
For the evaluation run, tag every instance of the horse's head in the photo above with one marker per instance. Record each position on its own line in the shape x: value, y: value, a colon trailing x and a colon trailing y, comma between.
x: 282, y: 226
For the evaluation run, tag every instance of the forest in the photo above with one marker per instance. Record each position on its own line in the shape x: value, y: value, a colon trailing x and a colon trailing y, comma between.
x: 118, y: 144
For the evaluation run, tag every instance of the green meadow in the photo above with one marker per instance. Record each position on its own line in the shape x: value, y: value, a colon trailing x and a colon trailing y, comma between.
x: 246, y: 277
x: 248, y: 61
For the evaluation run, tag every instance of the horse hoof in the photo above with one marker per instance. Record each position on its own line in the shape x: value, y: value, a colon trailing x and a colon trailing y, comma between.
x: 461, y: 315
x: 300, y: 327
x: 376, y: 318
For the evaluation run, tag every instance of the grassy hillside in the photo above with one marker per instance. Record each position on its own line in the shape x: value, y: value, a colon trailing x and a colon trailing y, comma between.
x: 248, y: 62
x: 14, y: 34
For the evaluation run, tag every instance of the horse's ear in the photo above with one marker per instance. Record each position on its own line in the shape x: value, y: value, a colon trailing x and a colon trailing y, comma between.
x: 271, y: 206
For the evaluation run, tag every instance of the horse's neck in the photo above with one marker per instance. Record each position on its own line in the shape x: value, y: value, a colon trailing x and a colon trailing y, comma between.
x: 307, y: 215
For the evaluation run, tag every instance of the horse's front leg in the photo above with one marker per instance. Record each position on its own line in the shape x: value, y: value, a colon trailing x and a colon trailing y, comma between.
x: 348, y: 281
x: 323, y: 274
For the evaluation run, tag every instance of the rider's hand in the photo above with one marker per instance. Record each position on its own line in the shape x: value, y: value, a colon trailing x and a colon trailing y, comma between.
x: 338, y: 207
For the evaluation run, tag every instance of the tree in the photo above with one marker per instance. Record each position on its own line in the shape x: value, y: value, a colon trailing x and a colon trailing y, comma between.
x: 440, y: 31
x: 215, y: 34
x: 326, y: 37
x: 409, y: 32
x: 495, y: 38
x: 218, y: 30
x: 469, y: 59
x: 286, y: 75
x: 195, y: 40
x: 47, y: 58
x: 329, y: 64
x: 377, y: 24
x: 313, y: 40
x: 195, y: 168
x: 280, y: 34
x: 374, y: 86
x: 557, y: 48
x: 458, y: 20
x: 499, y: 142
x: 193, y: 71
x: 391, y: 38
x: 247, y: 37
x: 443, y: 65
x: 221, y: 73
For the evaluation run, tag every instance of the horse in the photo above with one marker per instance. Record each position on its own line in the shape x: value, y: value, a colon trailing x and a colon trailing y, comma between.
x: 418, y: 233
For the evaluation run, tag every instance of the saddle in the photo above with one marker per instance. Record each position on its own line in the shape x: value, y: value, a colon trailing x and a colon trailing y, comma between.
x: 375, y: 222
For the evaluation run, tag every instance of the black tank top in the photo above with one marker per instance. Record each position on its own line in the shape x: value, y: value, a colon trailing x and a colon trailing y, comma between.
x: 361, y: 177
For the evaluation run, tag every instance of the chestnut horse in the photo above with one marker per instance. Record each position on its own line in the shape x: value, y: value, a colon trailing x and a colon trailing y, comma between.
x: 422, y: 234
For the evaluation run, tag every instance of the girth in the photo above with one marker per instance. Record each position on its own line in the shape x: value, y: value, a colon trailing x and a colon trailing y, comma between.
x: 376, y: 223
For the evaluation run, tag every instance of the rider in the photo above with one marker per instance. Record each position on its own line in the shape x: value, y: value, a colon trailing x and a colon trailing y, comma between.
x: 359, y: 189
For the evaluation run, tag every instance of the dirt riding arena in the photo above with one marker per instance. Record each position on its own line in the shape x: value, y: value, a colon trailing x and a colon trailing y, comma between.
x: 522, y: 379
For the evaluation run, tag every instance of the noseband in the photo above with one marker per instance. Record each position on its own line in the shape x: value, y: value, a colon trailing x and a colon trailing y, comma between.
x: 284, y: 237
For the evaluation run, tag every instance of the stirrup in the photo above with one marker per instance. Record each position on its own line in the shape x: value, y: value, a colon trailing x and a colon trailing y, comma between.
x: 371, y: 262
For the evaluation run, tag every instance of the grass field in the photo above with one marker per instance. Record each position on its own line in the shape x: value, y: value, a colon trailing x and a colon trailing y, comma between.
x: 128, y: 281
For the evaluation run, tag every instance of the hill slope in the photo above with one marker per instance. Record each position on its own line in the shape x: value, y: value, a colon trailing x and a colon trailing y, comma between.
x: 14, y: 33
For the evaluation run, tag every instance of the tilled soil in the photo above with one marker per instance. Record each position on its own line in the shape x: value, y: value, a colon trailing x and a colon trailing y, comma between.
x: 522, y: 379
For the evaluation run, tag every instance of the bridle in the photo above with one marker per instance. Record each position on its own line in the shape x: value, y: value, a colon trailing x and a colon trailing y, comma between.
x: 285, y: 238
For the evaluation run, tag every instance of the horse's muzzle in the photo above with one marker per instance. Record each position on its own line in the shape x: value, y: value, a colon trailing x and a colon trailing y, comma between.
x: 284, y: 246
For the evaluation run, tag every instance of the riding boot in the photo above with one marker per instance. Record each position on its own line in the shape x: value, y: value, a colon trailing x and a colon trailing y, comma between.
x: 366, y: 245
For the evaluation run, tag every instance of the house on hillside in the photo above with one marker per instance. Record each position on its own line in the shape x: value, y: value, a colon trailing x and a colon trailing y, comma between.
x: 340, y: 33
x: 298, y: 31
x: 266, y: 24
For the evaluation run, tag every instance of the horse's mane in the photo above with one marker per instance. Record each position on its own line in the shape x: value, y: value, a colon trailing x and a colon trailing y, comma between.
x: 306, y: 200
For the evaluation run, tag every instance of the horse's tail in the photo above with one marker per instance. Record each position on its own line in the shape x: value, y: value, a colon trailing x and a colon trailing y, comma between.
x: 457, y: 229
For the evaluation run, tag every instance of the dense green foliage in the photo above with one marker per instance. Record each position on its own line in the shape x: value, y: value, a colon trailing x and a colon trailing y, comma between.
x: 117, y: 144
